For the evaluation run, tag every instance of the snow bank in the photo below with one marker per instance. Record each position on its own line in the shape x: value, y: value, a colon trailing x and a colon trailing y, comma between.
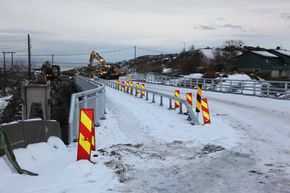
x: 194, y: 75
x: 4, y: 101
x: 166, y: 70
x: 58, y: 171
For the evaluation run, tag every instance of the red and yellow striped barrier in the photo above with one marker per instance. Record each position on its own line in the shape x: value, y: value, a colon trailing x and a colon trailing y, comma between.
x: 198, y: 98
x: 123, y: 86
x: 143, y: 92
x: 127, y: 86
x: 189, y: 99
x: 117, y: 84
x: 177, y: 95
x: 131, y: 85
x: 138, y: 86
x: 205, y: 111
x: 86, y: 129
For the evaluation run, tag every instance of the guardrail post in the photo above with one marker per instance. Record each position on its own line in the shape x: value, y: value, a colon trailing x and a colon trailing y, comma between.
x: 146, y: 96
x: 254, y: 89
x: 242, y: 86
x: 153, y: 97
x: 170, y: 104
x: 190, y: 83
x: 286, y: 89
x: 268, y: 89
x: 161, y: 100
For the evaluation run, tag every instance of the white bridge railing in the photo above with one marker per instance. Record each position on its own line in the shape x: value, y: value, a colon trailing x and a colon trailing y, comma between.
x: 92, y: 96
x: 153, y: 97
x: 274, y: 89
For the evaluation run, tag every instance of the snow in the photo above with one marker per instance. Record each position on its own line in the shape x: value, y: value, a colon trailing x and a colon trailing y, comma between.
x: 58, y: 171
x: 209, y: 53
x: 152, y: 149
x: 194, y: 75
x: 284, y: 52
x: 4, y: 102
x: 265, y: 54
x: 166, y: 70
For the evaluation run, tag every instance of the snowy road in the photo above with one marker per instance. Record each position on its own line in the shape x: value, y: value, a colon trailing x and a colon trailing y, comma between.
x: 143, y: 147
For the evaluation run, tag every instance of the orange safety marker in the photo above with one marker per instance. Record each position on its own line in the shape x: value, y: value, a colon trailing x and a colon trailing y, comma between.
x: 117, y: 84
x: 85, y: 134
x: 138, y: 86
x: 189, y: 99
x: 131, y: 85
x: 127, y: 86
x: 198, y: 98
x: 123, y: 87
x: 143, y: 92
x: 205, y: 111
x: 177, y: 94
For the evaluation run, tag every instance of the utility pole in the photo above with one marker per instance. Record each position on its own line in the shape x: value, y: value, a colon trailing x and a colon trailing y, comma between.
x: 29, y: 56
x: 51, y: 59
x: 135, y: 52
x: 4, y: 69
x: 4, y: 74
x: 12, y: 60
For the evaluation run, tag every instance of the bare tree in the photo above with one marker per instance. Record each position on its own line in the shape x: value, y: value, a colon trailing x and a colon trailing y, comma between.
x: 233, y: 44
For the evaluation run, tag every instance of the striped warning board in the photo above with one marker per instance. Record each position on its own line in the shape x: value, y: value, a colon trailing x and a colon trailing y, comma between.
x: 123, y: 86
x: 131, y: 85
x: 189, y: 99
x: 117, y: 84
x: 198, y: 98
x: 177, y: 95
x: 138, y: 86
x: 143, y: 92
x: 85, y: 134
x: 205, y: 111
x: 127, y: 86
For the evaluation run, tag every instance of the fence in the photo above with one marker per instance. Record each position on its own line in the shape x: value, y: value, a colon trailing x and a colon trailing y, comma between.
x: 92, y: 96
x: 274, y: 89
x: 191, y: 115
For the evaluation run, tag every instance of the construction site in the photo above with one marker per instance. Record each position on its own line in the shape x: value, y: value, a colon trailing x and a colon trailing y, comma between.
x: 138, y: 97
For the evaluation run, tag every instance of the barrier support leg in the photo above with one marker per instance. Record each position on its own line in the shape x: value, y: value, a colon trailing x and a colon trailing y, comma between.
x: 180, y: 108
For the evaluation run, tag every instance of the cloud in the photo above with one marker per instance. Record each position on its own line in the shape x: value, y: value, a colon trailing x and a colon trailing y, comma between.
x: 204, y: 27
x: 286, y: 16
x: 212, y: 27
x: 231, y: 26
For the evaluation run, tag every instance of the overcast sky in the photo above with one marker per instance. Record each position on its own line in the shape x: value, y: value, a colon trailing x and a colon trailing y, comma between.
x: 79, y: 26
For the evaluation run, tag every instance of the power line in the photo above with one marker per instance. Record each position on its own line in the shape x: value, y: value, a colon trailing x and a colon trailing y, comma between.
x: 77, y: 54
x: 150, y: 50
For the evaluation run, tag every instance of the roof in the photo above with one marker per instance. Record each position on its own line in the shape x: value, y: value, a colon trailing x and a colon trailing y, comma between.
x: 265, y: 54
x: 284, y: 52
x: 208, y: 53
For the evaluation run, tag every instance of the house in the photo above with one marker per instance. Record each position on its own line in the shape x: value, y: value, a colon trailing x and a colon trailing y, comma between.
x: 277, y: 65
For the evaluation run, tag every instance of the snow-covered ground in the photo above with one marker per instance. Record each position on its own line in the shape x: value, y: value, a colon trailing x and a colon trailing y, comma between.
x: 143, y: 147
x: 4, y: 102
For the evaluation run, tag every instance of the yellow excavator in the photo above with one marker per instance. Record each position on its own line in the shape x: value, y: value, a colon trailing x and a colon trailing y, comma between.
x: 106, y: 71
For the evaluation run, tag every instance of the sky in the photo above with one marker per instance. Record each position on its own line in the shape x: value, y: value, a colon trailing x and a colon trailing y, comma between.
x: 62, y: 27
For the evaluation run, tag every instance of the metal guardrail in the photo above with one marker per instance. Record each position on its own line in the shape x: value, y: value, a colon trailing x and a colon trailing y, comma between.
x: 273, y: 89
x: 191, y: 116
x: 92, y: 96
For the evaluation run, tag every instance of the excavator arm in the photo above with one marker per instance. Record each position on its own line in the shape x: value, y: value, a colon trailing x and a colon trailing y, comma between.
x: 93, y: 56
x: 106, y: 71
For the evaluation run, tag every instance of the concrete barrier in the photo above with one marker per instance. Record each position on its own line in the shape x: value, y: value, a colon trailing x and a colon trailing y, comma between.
x: 23, y: 133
